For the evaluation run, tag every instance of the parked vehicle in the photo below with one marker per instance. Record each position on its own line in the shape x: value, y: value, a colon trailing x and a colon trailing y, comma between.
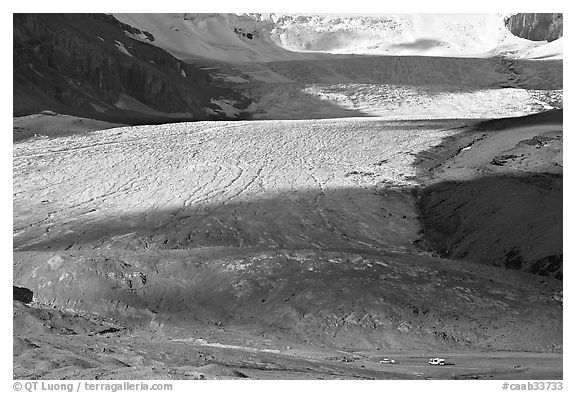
x: 387, y: 361
x: 437, y: 362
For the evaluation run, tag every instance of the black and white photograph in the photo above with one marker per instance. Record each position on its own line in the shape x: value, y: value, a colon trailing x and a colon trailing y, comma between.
x: 287, y: 196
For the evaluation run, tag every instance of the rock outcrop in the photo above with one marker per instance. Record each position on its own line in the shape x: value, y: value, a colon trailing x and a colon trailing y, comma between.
x: 536, y: 27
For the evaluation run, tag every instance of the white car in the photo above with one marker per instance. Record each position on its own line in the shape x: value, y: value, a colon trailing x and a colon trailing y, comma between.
x: 437, y: 362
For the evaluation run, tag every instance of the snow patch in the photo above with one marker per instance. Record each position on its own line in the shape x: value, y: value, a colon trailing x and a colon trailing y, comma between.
x: 122, y: 48
x: 227, y: 107
x: 97, y: 108
x: 547, y: 51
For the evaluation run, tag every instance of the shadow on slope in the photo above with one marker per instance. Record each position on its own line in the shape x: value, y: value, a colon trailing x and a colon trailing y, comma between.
x: 369, y: 219
x: 547, y: 118
x: 463, y: 73
x: 420, y: 44
x: 514, y: 222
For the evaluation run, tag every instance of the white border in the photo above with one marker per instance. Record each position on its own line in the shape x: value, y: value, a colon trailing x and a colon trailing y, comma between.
x: 291, y: 6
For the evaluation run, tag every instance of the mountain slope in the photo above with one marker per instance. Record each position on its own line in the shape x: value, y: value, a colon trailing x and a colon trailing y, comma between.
x: 85, y: 65
x: 221, y: 37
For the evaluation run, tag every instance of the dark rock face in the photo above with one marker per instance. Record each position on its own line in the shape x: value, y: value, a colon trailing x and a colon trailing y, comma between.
x: 82, y: 64
x: 536, y: 27
x: 23, y: 295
